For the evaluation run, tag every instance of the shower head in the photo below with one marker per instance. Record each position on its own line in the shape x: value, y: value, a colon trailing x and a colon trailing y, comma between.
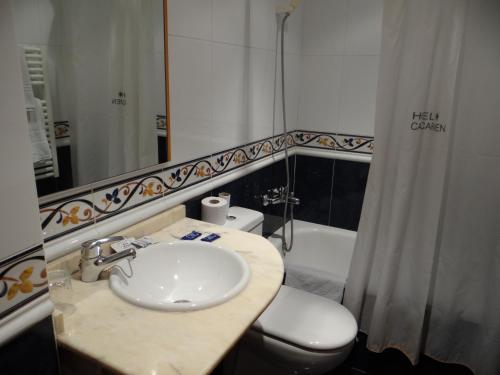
x: 287, y: 8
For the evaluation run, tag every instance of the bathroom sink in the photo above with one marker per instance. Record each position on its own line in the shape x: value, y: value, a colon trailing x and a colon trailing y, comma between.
x: 180, y: 276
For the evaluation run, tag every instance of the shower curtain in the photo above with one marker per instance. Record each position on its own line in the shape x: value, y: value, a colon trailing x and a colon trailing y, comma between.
x: 108, y: 85
x: 425, y: 273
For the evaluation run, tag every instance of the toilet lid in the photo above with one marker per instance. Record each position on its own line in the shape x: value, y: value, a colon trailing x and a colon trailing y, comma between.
x: 307, y: 320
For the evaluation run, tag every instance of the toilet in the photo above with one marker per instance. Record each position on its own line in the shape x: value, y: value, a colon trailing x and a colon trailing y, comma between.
x: 299, y: 332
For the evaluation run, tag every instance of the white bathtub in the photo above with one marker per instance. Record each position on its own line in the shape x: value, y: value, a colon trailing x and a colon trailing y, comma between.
x: 318, y: 247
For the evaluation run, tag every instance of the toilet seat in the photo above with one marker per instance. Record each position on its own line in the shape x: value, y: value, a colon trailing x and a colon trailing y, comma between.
x: 307, y: 321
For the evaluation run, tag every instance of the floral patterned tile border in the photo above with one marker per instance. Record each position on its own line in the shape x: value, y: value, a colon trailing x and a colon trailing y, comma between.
x: 61, y: 129
x: 334, y: 141
x: 67, y: 215
x: 23, y: 277
x: 161, y: 122
x: 124, y: 195
x: 228, y: 160
x: 181, y: 176
x: 62, y: 217
x: 161, y: 125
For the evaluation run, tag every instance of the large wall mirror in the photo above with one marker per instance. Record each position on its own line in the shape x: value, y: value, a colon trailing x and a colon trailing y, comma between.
x: 95, y: 88
x: 110, y: 105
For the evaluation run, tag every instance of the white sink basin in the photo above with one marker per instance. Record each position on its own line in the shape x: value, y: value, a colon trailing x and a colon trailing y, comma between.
x: 181, y: 276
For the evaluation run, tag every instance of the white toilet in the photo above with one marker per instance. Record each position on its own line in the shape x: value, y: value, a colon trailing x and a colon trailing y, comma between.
x: 299, y: 332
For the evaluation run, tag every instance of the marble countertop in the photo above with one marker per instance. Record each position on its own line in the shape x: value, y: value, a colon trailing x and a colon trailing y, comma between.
x: 132, y: 340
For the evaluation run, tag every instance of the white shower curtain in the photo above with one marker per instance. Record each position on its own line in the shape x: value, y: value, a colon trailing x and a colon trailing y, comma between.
x: 131, y: 131
x: 108, y: 87
x: 425, y: 274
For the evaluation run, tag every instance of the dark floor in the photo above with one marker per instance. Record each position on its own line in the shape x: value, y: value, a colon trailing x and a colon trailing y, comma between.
x: 392, y: 362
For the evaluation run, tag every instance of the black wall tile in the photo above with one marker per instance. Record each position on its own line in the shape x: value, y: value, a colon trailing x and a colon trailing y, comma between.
x: 246, y: 192
x: 193, y: 206
x: 33, y: 352
x: 316, y: 179
x: 64, y: 181
x: 349, y: 183
x: 313, y: 185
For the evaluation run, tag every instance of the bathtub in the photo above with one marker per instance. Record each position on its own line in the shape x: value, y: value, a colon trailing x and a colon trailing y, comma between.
x: 322, y: 249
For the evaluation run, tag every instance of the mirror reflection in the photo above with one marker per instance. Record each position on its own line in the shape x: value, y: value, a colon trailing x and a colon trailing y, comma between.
x: 94, y: 85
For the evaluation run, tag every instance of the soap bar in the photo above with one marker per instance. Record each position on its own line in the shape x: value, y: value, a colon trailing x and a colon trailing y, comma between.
x: 123, y: 245
x: 211, y: 237
x: 191, y: 236
x: 144, y: 242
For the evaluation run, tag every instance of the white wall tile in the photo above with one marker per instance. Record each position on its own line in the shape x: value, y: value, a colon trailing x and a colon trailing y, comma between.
x: 324, y: 27
x: 231, y: 78
x: 231, y: 21
x: 263, y: 23
x: 190, y: 18
x: 190, y: 138
x: 26, y: 21
x: 364, y: 27
x: 260, y: 93
x: 190, y: 99
x: 50, y: 18
x: 158, y: 32
x: 294, y: 30
x: 292, y: 90
x: 159, y: 103
x: 191, y: 77
x: 358, y: 94
x: 319, y: 95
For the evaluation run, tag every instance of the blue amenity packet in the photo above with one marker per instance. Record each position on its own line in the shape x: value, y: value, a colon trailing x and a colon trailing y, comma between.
x: 211, y: 237
x: 191, y: 236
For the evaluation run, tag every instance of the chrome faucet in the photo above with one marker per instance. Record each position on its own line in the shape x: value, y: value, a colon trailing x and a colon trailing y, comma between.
x: 92, y: 262
x: 278, y: 195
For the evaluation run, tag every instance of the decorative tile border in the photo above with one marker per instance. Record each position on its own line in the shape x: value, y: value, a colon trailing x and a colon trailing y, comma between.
x: 125, y: 195
x: 161, y: 125
x: 161, y: 122
x: 70, y: 214
x: 61, y: 132
x: 228, y: 160
x: 67, y: 215
x: 334, y: 141
x: 61, y: 129
x: 23, y: 278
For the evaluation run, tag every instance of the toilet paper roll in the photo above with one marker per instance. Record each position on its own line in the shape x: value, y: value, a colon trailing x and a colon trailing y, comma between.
x: 213, y: 210
x: 227, y: 197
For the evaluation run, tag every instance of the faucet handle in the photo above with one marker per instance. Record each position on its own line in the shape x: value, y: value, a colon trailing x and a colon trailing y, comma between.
x: 92, y: 249
x: 130, y: 253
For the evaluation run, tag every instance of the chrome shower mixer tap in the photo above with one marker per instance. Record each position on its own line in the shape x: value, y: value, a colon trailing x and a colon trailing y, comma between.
x: 278, y: 196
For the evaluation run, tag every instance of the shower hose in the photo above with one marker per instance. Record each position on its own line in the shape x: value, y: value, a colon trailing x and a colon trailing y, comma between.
x: 286, y: 246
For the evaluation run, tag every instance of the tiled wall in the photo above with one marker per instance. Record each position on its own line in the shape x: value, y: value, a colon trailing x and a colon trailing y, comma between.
x: 339, y: 68
x: 222, y: 73
x: 247, y: 191
x: 23, y: 278
x: 61, y: 217
x: 331, y: 192
x: 222, y: 70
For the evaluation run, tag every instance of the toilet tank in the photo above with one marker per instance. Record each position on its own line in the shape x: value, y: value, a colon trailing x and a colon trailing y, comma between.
x: 245, y: 219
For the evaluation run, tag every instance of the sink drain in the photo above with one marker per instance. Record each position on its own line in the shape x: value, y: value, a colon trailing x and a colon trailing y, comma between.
x: 182, y: 301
